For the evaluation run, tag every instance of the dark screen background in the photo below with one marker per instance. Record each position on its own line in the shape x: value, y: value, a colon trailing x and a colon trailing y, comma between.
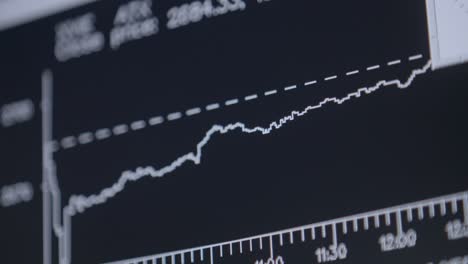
x: 391, y: 147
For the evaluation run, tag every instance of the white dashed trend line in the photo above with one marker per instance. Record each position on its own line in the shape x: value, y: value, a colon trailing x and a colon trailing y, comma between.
x: 122, y: 129
x: 79, y: 203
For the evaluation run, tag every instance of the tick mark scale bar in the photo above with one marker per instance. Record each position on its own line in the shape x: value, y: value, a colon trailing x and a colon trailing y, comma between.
x: 357, y: 219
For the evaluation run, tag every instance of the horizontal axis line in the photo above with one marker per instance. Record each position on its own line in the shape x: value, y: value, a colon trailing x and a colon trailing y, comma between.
x: 320, y: 225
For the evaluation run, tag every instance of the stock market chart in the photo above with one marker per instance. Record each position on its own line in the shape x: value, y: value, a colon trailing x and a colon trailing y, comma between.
x: 234, y: 131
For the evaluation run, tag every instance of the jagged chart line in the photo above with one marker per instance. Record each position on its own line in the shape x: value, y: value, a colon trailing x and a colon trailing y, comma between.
x: 79, y: 203
x: 84, y: 138
x: 61, y: 219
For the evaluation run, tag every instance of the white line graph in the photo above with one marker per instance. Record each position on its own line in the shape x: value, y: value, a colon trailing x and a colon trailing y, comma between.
x: 61, y: 219
x: 79, y: 203
x: 85, y: 138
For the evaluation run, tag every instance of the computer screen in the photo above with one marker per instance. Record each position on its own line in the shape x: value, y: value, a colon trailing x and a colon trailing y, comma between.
x: 233, y: 131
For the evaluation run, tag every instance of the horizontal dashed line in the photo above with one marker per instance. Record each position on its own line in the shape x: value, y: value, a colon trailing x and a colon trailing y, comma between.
x: 137, y: 125
x: 290, y: 87
x: 395, y: 62
x: 85, y: 138
x: 156, y: 120
x: 174, y: 116
x: 352, y: 72
x: 104, y: 133
x: 374, y: 67
x: 271, y: 92
x: 231, y: 102
x: 120, y: 129
x: 415, y: 57
x: 212, y: 107
x: 68, y: 142
x: 251, y: 97
x: 193, y: 111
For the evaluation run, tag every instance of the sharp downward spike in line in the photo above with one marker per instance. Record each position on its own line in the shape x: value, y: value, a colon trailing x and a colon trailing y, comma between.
x: 79, y: 203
